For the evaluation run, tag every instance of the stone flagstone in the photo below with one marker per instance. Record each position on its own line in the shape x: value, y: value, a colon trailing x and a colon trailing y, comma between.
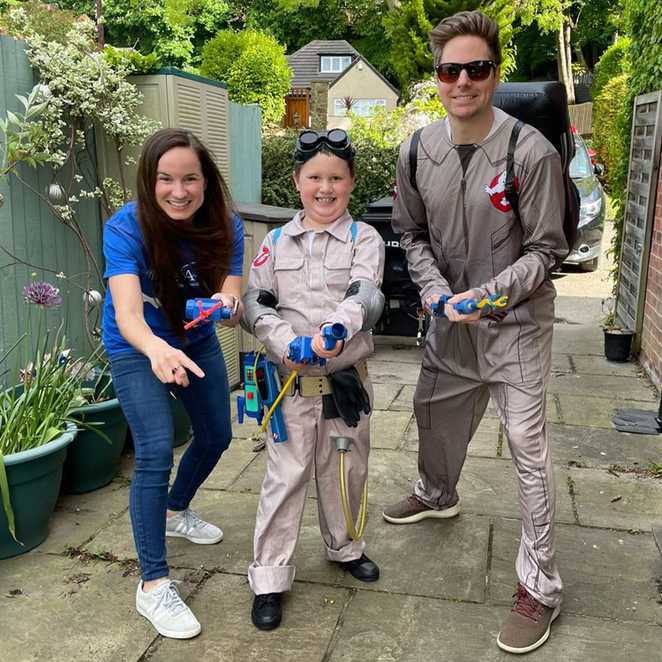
x: 412, y: 629
x: 607, y: 574
x: 621, y: 502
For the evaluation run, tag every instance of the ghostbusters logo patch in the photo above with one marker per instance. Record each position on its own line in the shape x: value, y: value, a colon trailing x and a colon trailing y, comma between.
x: 497, y: 192
x: 261, y: 257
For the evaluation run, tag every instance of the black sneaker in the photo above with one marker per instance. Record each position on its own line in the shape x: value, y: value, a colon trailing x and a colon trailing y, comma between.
x: 362, y: 569
x: 267, y: 611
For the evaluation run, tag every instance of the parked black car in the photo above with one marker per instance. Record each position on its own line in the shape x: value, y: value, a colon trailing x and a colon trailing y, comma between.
x: 586, y: 250
x: 402, y: 302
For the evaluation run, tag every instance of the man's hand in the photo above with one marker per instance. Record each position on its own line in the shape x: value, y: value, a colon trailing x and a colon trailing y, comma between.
x: 170, y: 364
x: 234, y: 304
x: 454, y: 316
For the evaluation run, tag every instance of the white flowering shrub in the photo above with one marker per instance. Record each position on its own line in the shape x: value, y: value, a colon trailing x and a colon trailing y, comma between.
x: 78, y: 89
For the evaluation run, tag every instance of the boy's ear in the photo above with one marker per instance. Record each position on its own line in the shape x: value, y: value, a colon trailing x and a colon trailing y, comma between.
x: 295, y: 177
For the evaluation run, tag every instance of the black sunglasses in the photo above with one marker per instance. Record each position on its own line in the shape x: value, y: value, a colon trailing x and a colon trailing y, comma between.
x: 449, y: 72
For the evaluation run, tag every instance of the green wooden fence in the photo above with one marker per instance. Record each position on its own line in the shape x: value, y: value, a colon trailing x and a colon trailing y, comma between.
x: 30, y: 234
x: 245, y: 153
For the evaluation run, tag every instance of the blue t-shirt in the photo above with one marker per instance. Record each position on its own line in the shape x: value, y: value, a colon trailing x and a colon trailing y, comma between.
x: 125, y: 253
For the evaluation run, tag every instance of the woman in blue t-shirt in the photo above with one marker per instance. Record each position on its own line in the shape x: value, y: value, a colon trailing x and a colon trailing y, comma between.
x: 180, y: 240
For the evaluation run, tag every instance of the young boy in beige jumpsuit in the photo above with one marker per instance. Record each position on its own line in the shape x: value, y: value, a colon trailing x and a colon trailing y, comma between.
x: 320, y: 268
x: 462, y: 238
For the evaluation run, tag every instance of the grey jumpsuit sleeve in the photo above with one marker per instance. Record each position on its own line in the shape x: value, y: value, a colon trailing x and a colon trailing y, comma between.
x: 410, y: 220
x: 272, y: 331
x: 541, y: 204
x: 367, y: 264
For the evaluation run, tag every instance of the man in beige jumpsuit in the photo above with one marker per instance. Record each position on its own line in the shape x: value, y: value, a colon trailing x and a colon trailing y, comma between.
x: 462, y: 238
x: 309, y: 273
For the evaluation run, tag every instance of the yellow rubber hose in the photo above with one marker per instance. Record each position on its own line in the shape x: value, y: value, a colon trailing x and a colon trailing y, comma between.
x: 354, y: 533
x: 276, y: 402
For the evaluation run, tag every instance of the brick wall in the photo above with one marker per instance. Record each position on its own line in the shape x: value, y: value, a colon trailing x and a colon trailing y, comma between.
x: 651, y: 335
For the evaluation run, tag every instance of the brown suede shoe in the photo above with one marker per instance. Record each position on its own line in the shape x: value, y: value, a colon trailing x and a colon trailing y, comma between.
x: 412, y: 510
x: 528, y: 624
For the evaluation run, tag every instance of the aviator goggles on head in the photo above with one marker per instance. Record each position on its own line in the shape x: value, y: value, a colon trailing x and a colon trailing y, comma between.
x: 311, y: 142
x: 449, y: 72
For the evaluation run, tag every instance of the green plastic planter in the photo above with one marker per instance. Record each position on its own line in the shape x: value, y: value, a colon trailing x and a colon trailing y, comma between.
x: 91, y: 461
x: 181, y: 423
x: 34, y: 483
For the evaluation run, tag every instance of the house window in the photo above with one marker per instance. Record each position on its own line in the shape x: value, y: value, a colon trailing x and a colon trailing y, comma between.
x: 334, y: 64
x: 360, y: 107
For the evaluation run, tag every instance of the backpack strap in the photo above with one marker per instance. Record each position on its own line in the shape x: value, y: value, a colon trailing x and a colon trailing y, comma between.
x: 354, y: 231
x: 511, y: 192
x: 413, y: 157
x: 276, y: 235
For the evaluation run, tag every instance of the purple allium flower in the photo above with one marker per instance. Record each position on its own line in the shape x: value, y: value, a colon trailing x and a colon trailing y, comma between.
x: 43, y: 294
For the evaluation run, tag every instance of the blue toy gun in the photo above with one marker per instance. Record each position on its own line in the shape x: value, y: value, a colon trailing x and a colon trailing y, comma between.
x: 300, y: 349
x: 261, y: 389
x: 199, y: 310
x: 468, y: 306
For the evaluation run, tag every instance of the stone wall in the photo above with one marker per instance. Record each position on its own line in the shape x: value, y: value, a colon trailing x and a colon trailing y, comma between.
x: 319, y: 101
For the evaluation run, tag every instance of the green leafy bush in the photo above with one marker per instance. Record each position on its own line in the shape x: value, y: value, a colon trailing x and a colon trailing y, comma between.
x: 277, y: 185
x: 607, y: 107
x: 644, y: 27
x: 254, y: 66
x: 613, y: 62
x: 44, y: 19
x: 374, y: 169
x: 131, y: 60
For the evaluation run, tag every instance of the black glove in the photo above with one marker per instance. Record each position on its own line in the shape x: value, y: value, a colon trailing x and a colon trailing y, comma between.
x: 349, y: 396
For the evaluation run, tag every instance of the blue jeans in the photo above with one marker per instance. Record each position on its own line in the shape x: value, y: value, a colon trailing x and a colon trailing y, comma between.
x: 146, y: 404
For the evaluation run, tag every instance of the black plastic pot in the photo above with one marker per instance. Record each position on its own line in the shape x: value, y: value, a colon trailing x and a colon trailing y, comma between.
x: 618, y: 344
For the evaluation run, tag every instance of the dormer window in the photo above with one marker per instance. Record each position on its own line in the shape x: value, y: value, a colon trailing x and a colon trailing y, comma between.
x: 334, y: 64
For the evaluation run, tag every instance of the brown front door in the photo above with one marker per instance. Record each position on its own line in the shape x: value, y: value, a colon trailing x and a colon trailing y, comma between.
x: 296, y: 111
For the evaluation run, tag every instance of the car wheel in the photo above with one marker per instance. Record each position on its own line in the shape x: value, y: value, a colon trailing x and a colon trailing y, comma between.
x: 589, y: 265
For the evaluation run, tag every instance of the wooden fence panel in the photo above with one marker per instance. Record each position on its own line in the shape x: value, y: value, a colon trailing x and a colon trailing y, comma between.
x: 245, y: 153
x: 581, y: 116
x: 30, y: 232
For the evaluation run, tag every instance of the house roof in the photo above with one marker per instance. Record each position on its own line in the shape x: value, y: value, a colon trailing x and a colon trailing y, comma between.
x: 360, y: 58
x: 305, y: 61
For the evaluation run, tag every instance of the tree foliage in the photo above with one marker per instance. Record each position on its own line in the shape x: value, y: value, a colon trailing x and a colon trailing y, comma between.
x: 254, y: 66
x: 47, y: 20
x: 174, y: 30
x: 614, y: 62
x: 644, y: 28
x: 607, y: 106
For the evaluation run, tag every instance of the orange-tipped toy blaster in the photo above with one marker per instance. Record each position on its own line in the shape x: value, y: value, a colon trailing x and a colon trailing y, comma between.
x: 468, y: 306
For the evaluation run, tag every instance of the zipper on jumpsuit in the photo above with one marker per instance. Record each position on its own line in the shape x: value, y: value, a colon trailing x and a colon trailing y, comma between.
x: 472, y: 332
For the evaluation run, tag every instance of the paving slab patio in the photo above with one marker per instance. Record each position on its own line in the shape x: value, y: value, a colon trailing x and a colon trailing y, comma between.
x: 445, y: 585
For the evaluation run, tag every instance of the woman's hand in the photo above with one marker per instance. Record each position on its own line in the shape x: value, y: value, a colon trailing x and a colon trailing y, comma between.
x: 170, y: 364
x: 234, y: 304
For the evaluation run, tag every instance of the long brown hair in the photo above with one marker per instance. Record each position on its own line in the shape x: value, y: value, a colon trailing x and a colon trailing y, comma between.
x: 210, y: 235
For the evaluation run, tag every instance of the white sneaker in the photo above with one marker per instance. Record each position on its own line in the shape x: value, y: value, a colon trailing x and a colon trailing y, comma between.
x: 166, y: 611
x: 186, y: 524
